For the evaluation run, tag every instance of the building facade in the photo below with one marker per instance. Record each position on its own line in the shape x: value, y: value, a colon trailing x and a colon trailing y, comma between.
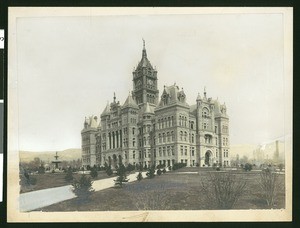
x: 150, y: 130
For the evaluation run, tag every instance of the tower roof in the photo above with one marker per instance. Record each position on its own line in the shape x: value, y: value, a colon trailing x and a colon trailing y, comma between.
x: 144, y: 61
x: 130, y: 102
x: 106, y: 111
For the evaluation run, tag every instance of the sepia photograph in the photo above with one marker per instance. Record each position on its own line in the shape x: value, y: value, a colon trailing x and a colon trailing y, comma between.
x: 149, y: 114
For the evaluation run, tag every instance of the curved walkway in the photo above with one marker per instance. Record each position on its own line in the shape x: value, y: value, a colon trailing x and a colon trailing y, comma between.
x: 37, y: 199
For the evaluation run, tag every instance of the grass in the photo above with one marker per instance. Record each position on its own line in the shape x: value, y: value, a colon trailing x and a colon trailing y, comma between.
x: 52, y: 180
x: 171, y: 191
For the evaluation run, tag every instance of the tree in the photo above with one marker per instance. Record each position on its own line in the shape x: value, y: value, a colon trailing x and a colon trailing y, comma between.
x: 269, y: 186
x: 69, y: 175
x: 121, y: 176
x: 82, y: 188
x: 222, y: 190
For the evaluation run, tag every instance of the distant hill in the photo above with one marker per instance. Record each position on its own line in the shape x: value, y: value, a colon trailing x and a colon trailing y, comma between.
x: 65, y: 155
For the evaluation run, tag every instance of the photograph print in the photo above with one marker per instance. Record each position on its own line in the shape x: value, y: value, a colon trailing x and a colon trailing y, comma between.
x: 149, y: 114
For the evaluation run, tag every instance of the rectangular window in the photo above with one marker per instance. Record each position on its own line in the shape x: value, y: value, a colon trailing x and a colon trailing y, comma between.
x: 185, y: 150
x: 181, y: 150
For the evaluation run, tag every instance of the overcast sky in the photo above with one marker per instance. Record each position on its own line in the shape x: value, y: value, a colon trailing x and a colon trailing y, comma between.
x: 69, y: 67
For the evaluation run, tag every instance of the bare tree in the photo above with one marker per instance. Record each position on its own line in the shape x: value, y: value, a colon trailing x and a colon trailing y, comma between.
x: 222, y: 190
x: 269, y: 186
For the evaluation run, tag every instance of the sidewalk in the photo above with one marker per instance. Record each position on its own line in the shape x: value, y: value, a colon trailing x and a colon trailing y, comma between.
x: 37, y: 199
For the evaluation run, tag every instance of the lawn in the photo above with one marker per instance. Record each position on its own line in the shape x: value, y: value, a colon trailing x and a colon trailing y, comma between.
x: 174, y: 190
x: 52, y: 180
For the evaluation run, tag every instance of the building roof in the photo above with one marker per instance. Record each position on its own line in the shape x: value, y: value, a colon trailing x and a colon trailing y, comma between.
x: 173, y: 95
x: 130, y: 102
x: 106, y: 111
x: 148, y: 109
x: 91, y: 122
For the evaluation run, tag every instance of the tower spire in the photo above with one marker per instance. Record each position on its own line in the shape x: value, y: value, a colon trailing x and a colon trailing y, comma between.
x: 114, y: 97
x: 144, y: 49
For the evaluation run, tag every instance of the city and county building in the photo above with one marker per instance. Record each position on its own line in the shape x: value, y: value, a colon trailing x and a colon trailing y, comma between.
x: 150, y: 130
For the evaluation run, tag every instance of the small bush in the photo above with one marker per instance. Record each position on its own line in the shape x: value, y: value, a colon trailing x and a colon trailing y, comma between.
x: 69, y: 175
x: 130, y: 167
x: 83, y: 187
x: 94, y: 172
x: 150, y: 172
x: 32, y: 180
x: 164, y: 170
x: 160, y: 166
x: 139, y: 177
x: 121, y: 176
x: 218, y: 169
x: 158, y: 172
x: 280, y: 167
x: 109, y: 171
x: 41, y: 170
x: 178, y: 166
x: 247, y: 167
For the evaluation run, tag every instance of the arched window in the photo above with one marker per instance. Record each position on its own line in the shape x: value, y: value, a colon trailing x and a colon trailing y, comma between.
x: 181, y: 135
x: 205, y: 113
x: 185, y: 121
x: 172, y: 135
x: 168, y: 137
x: 193, y: 138
x: 159, y: 138
x: 164, y: 137
x: 185, y: 136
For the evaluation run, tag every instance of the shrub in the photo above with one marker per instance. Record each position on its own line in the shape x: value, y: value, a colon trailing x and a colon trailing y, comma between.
x: 41, y: 170
x: 69, y: 175
x: 178, y: 166
x: 247, y: 167
x: 281, y: 166
x: 109, y: 171
x: 121, y: 176
x: 164, y: 170
x: 222, y: 190
x: 150, y: 172
x: 83, y: 187
x: 218, y: 169
x: 158, y: 172
x: 94, y: 172
x: 139, y: 177
x: 130, y: 167
x: 160, y: 166
x: 32, y: 180
x: 269, y: 186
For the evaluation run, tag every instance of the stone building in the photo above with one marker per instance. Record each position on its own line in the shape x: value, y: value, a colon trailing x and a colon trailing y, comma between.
x: 150, y: 130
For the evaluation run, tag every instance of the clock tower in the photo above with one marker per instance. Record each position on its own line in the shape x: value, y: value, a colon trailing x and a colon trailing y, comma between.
x: 145, y: 81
